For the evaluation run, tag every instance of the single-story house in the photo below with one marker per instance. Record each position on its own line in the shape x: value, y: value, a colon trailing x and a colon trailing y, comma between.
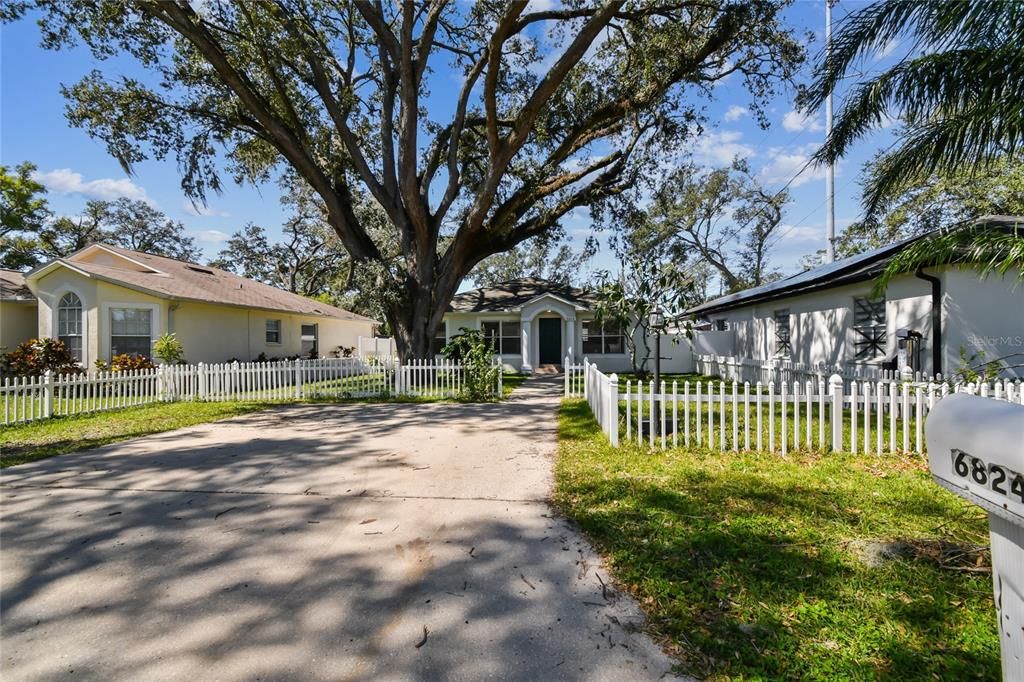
x: 534, y: 322
x: 104, y: 300
x: 829, y: 315
x: 18, y: 310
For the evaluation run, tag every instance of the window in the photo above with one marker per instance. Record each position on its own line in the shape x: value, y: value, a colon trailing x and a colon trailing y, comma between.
x: 869, y: 328
x: 69, y: 324
x: 720, y: 325
x: 310, y: 345
x: 504, y: 337
x: 273, y: 331
x: 783, y: 346
x: 439, y: 342
x: 131, y: 331
x: 603, y: 339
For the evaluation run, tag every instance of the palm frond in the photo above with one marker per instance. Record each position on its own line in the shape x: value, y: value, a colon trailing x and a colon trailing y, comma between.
x: 989, y: 251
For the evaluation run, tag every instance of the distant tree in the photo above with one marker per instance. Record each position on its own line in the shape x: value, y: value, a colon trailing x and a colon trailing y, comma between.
x: 959, y: 93
x: 136, y: 225
x: 547, y: 257
x: 559, y: 107
x: 23, y: 211
x: 724, y: 216
x: 64, y: 235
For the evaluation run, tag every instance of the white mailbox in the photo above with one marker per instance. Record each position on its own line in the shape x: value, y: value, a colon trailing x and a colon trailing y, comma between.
x: 976, y: 450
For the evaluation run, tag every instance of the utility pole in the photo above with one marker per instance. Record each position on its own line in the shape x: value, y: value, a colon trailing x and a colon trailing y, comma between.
x: 830, y: 172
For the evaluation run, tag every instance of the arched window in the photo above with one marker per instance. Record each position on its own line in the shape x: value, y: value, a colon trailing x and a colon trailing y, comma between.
x: 69, y: 324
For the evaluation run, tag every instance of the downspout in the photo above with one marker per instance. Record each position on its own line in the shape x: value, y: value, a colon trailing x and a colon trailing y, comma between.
x: 936, y: 318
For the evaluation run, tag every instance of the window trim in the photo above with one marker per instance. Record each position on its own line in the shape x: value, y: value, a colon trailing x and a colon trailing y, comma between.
x: 500, y: 321
x: 267, y: 331
x: 782, y: 349
x: 861, y: 339
x: 603, y: 336
x: 155, y: 325
x: 316, y: 338
x: 82, y: 317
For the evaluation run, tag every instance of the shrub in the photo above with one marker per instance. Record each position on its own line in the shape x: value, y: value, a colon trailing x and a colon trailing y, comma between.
x: 129, y: 361
x: 472, y: 349
x: 35, y: 356
x: 169, y: 349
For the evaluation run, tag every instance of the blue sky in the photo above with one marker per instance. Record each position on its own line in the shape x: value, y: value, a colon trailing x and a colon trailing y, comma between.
x: 76, y: 168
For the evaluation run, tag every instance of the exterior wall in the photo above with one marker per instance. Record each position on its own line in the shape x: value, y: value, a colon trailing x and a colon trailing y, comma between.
x: 982, y: 315
x: 985, y: 315
x: 18, y: 322
x: 675, y: 357
x: 208, y: 332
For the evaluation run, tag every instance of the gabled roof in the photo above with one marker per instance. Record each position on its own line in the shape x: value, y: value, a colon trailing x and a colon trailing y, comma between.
x: 12, y: 286
x: 862, y: 267
x: 511, y: 296
x: 180, y: 280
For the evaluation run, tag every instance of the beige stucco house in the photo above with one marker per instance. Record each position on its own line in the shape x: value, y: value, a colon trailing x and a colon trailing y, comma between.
x: 104, y: 300
x: 18, y: 310
x: 830, y: 315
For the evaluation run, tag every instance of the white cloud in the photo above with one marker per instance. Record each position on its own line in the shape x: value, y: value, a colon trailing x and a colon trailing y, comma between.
x: 887, y: 49
x: 735, y: 112
x: 201, y: 211
x: 66, y: 181
x: 801, y: 233
x: 794, y: 121
x: 209, y: 236
x: 784, y: 165
x: 719, y: 149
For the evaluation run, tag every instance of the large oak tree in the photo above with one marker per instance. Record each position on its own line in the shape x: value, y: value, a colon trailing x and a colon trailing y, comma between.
x: 557, y: 108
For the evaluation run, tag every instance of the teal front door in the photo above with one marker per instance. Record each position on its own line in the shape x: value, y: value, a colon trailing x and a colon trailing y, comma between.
x: 550, y: 341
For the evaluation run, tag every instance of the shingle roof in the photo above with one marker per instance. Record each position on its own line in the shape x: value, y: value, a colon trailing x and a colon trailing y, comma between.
x: 512, y: 295
x: 863, y: 266
x: 190, y: 281
x: 12, y: 286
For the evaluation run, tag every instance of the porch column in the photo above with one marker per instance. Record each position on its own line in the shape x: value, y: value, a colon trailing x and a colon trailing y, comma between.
x: 570, y: 337
x: 524, y: 331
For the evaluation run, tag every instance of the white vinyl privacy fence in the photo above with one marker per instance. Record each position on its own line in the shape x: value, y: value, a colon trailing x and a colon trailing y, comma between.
x: 29, y: 398
x: 822, y: 414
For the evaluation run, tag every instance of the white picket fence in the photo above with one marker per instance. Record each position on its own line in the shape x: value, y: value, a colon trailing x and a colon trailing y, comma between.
x: 781, y: 370
x: 29, y: 398
x: 870, y: 416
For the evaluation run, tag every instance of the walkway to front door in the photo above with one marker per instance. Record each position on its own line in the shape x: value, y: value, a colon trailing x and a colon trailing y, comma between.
x: 550, y: 341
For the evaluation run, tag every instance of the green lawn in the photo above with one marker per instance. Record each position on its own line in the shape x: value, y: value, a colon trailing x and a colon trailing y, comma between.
x: 751, y: 566
x: 45, y: 438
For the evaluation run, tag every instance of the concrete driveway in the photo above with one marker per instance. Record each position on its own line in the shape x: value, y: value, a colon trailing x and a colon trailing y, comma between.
x: 312, y: 542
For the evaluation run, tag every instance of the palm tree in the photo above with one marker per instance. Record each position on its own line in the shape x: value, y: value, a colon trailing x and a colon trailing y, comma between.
x: 959, y: 93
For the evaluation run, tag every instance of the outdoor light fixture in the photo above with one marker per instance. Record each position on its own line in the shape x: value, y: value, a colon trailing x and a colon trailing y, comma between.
x: 656, y: 318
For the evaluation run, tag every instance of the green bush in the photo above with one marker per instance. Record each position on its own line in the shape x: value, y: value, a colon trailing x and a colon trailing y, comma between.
x: 169, y: 349
x: 474, y: 352
x: 35, y: 356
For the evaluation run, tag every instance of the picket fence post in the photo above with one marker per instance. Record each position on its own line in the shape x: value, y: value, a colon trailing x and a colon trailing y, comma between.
x: 161, y: 384
x: 568, y: 371
x: 201, y: 380
x: 48, y: 393
x: 835, y: 388
x: 613, y: 409
x: 501, y: 376
x: 298, y: 379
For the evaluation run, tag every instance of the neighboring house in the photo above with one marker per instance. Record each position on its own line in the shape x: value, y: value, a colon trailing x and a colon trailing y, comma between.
x: 104, y: 300
x: 829, y: 315
x: 533, y: 323
x: 18, y: 310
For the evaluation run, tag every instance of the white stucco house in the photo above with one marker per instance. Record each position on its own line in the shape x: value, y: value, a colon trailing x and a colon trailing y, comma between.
x: 829, y: 315
x: 536, y: 323
x: 104, y: 300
